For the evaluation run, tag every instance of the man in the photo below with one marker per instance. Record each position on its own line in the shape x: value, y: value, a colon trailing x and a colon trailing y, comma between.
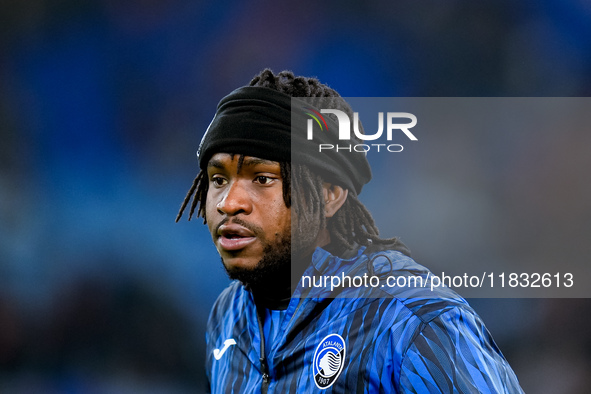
x: 282, y: 217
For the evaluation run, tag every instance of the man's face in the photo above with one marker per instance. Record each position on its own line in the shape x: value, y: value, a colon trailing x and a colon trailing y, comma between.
x: 245, y: 211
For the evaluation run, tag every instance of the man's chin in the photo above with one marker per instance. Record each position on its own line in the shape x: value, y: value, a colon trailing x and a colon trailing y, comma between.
x: 247, y: 272
x: 256, y: 269
x: 262, y: 273
x: 238, y: 264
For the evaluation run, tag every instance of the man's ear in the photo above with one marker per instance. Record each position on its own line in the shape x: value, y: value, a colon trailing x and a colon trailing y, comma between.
x: 334, y: 198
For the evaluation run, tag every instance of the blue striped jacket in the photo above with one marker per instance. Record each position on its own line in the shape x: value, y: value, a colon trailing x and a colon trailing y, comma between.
x: 380, y: 339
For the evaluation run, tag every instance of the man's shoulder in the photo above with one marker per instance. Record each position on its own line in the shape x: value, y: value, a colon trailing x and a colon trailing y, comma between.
x: 408, y: 283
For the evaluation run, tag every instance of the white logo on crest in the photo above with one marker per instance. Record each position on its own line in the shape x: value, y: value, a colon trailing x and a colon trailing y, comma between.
x: 329, y: 359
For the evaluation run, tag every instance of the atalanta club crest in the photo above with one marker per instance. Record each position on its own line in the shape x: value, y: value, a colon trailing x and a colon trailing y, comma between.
x: 329, y: 359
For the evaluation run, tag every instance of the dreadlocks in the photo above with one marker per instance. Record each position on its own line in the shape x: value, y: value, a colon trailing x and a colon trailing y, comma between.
x: 352, y: 224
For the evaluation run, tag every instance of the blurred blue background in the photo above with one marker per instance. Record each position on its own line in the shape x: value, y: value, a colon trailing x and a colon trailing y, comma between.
x: 102, y: 106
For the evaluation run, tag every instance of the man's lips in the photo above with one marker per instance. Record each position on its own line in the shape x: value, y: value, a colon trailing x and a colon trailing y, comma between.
x: 233, y: 237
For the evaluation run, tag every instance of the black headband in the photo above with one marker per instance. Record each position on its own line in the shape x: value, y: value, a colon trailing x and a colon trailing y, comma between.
x: 267, y: 124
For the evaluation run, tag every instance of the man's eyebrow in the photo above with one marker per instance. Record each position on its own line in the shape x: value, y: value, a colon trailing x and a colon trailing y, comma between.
x: 253, y: 161
x: 250, y: 161
x: 215, y: 164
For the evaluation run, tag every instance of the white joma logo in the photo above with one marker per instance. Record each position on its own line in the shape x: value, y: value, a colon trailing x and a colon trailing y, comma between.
x: 217, y: 353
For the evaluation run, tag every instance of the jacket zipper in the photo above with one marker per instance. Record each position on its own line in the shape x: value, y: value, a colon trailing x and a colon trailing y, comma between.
x: 263, y: 360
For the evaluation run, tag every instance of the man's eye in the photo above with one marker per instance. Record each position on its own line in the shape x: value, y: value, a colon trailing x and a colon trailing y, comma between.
x: 218, y: 181
x: 263, y: 180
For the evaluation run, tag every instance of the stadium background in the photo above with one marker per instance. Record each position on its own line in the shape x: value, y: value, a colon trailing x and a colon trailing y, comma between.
x: 102, y: 106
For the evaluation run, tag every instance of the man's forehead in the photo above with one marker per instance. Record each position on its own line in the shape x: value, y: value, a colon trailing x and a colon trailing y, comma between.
x: 224, y: 159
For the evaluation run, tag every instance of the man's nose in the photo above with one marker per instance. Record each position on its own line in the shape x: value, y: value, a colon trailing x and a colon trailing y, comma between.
x: 235, y: 200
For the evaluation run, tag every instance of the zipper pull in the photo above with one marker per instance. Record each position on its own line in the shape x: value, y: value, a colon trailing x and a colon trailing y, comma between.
x: 264, y: 369
x: 266, y: 377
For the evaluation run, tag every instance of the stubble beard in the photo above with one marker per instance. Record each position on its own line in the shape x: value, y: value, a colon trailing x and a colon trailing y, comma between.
x: 272, y: 267
x: 276, y: 267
